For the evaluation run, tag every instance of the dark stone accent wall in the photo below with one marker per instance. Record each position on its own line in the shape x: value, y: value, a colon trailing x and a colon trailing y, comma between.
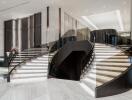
x: 24, y: 33
x: 37, y: 30
x: 8, y: 35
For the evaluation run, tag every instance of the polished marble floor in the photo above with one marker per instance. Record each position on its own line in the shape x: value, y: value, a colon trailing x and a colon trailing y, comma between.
x: 52, y: 89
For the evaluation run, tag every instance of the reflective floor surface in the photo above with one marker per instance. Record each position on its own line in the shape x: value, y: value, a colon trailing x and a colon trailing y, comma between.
x: 51, y: 89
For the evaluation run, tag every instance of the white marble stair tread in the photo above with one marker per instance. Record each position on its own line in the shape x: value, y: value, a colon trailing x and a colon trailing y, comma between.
x: 109, y: 49
x: 35, y: 52
x: 29, y: 80
x: 14, y: 64
x: 100, y: 80
x: 106, y: 73
x: 16, y: 61
x: 103, y: 47
x: 43, y: 58
x: 29, y: 75
x: 113, y: 64
x: 22, y: 54
x: 112, y: 57
x: 41, y: 61
x: 47, y: 56
x: 31, y: 71
x: 21, y: 58
x: 26, y: 52
x: 111, y: 68
x: 109, y: 53
x: 34, y: 63
x: 103, y: 79
x: 37, y: 49
x: 33, y: 66
x: 113, y: 60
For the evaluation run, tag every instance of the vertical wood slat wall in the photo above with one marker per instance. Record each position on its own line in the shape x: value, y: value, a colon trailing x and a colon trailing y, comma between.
x: 24, y: 33
x: 37, y: 30
x: 8, y: 36
x: 30, y: 26
x: 31, y: 29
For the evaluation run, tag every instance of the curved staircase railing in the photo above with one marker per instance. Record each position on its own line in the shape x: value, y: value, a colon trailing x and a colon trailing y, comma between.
x: 92, y: 56
x: 18, y: 65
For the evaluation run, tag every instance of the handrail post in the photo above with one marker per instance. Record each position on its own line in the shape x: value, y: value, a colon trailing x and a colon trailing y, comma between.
x: 8, y: 78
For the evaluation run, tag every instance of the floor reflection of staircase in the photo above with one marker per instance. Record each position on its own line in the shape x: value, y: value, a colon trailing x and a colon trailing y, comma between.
x: 33, y: 65
x: 109, y: 64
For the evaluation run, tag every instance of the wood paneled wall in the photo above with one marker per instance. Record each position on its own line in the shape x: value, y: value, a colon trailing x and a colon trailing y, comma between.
x: 8, y: 36
x: 37, y: 30
x: 24, y: 33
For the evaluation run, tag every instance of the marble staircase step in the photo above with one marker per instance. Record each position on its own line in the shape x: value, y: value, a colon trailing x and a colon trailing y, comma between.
x: 28, y: 75
x: 41, y: 61
x: 22, y: 54
x: 113, y: 60
x: 31, y: 71
x: 110, y: 68
x: 108, y: 51
x: 105, y: 72
x: 109, y: 54
x: 33, y: 66
x: 35, y: 63
x: 28, y: 79
x: 112, y: 57
x: 113, y: 64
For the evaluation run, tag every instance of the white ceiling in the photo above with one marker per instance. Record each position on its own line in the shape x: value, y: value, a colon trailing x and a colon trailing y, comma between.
x: 21, y: 8
x: 100, y: 12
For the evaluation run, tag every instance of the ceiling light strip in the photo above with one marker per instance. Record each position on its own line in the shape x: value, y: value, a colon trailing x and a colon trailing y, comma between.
x: 120, y: 19
x: 15, y: 6
x: 90, y: 22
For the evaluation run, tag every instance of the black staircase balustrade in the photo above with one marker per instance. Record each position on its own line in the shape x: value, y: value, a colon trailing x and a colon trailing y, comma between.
x: 91, y: 58
x: 70, y: 60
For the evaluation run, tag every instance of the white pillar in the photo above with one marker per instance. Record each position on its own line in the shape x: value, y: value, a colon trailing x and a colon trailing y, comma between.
x: 29, y: 32
x: 19, y: 35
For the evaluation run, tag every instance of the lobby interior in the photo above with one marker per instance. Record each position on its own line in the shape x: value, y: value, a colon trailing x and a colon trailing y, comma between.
x: 65, y: 49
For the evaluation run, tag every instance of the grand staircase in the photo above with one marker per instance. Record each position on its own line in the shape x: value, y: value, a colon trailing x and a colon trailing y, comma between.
x: 31, y: 65
x: 110, y: 64
x: 104, y: 76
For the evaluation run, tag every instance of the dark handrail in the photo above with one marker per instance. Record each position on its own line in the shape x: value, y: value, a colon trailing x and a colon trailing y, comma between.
x: 12, y: 56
